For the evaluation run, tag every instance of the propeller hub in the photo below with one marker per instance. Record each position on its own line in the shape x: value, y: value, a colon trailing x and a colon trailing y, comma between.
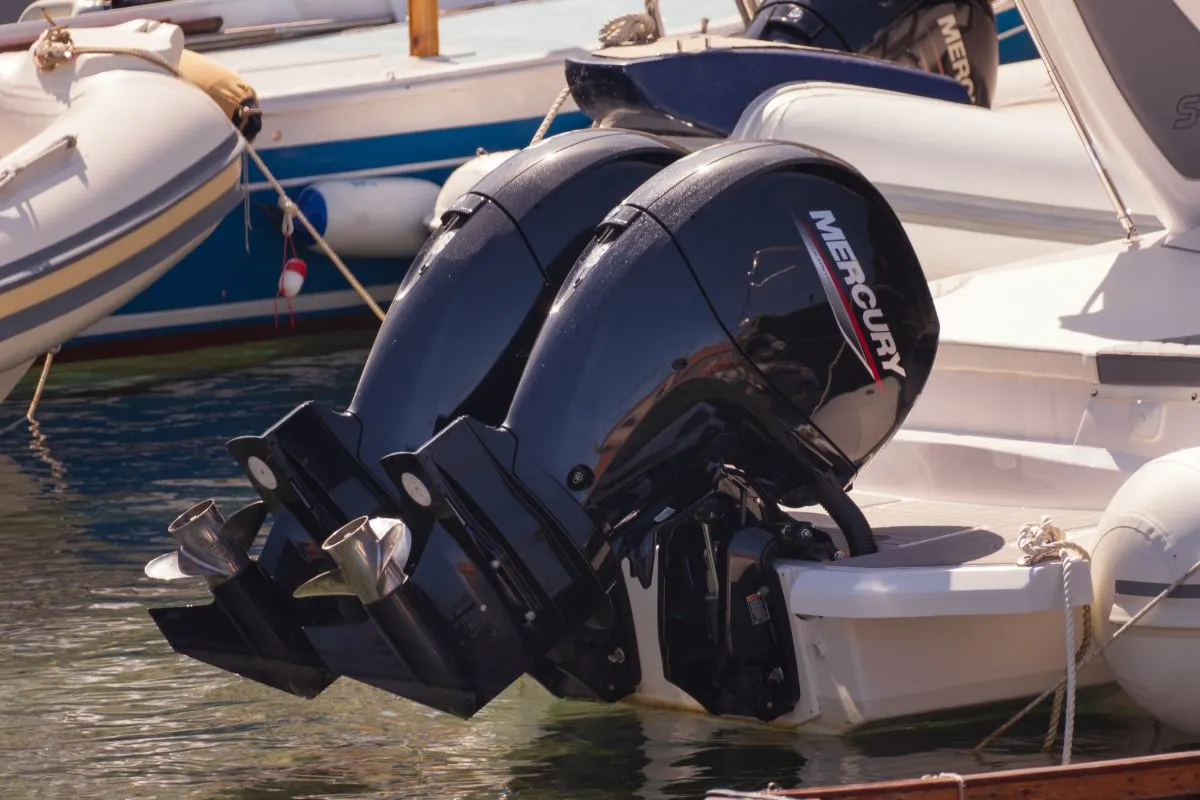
x: 370, y: 553
x: 209, y: 546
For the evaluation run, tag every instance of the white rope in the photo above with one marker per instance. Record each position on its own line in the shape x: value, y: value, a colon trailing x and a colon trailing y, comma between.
x: 734, y: 794
x: 1068, y: 561
x: 290, y: 210
x: 950, y: 776
x: 1091, y: 654
x: 1042, y: 541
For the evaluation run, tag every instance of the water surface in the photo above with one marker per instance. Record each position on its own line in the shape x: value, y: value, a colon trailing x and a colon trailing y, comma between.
x: 93, y: 703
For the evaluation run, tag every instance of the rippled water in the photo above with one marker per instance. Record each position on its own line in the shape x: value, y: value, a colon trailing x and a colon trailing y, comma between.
x: 93, y: 704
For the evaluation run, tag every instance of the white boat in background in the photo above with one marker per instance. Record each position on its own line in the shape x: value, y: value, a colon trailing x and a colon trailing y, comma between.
x: 975, y: 186
x: 111, y: 171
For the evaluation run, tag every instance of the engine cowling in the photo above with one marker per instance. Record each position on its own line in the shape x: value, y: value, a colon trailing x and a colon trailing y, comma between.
x: 946, y: 37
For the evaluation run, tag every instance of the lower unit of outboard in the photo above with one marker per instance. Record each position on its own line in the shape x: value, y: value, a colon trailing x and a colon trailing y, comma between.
x: 746, y: 329
x: 345, y: 585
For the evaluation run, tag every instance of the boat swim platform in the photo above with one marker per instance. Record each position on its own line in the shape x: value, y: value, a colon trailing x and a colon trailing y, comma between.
x: 935, y: 559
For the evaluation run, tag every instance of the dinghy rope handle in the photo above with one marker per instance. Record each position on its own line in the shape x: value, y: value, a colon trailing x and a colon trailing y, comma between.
x: 55, y: 47
x: 64, y: 142
x: 1041, y: 538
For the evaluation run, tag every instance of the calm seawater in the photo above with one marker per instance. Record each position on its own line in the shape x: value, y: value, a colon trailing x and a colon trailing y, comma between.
x: 93, y: 704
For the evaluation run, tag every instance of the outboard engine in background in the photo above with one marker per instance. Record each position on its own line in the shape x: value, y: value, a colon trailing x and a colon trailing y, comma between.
x: 699, y: 85
x: 749, y: 327
x: 946, y: 37
x: 455, y: 342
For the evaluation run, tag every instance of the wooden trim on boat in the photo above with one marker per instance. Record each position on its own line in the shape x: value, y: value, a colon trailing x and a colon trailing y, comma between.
x: 423, y: 28
x: 1174, y: 775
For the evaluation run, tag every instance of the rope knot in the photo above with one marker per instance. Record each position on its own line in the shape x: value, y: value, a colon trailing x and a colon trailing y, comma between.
x: 950, y: 776
x: 1043, y: 541
x: 638, y: 28
x: 290, y: 212
x: 54, y: 47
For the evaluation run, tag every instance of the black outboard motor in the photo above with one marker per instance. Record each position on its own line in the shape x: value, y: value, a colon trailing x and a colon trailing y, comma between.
x: 700, y: 85
x: 750, y: 326
x: 455, y: 342
x: 947, y: 37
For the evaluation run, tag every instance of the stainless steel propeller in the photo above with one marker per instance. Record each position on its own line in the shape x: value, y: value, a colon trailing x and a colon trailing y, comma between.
x: 210, y: 546
x: 370, y: 554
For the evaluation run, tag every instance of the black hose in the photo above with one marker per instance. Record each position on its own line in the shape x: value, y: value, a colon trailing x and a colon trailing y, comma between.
x: 848, y: 516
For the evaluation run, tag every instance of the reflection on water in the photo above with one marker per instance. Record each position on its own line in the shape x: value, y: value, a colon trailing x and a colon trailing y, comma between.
x: 93, y: 704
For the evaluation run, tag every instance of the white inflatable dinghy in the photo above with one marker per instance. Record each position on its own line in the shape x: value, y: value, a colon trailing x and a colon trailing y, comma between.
x: 111, y: 170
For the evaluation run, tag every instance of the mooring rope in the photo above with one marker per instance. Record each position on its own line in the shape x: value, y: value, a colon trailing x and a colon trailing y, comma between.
x: 1087, y: 657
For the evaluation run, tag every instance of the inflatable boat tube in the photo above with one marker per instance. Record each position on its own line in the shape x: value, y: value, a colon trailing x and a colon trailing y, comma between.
x: 111, y: 171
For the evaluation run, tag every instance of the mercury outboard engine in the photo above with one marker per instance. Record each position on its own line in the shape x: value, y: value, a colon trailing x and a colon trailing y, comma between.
x: 700, y: 85
x: 455, y: 342
x: 746, y: 329
x: 947, y: 37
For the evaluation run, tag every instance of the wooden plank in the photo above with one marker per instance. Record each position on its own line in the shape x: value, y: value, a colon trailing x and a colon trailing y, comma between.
x: 423, y: 28
x: 1146, y: 778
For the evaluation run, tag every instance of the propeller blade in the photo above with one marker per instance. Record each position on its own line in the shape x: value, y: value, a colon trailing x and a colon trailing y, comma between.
x: 242, y: 528
x: 166, y: 568
x: 324, y: 585
x: 395, y: 543
x: 370, y: 554
x: 203, y: 549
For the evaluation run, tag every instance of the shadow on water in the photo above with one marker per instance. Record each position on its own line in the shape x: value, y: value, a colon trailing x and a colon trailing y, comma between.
x: 93, y: 704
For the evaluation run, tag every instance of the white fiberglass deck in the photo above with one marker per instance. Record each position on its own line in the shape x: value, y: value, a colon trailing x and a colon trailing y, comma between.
x: 928, y: 533
x: 483, y: 38
x: 935, y: 559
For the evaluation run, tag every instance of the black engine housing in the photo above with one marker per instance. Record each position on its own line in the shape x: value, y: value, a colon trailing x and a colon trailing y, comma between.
x: 945, y: 37
x: 755, y: 308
